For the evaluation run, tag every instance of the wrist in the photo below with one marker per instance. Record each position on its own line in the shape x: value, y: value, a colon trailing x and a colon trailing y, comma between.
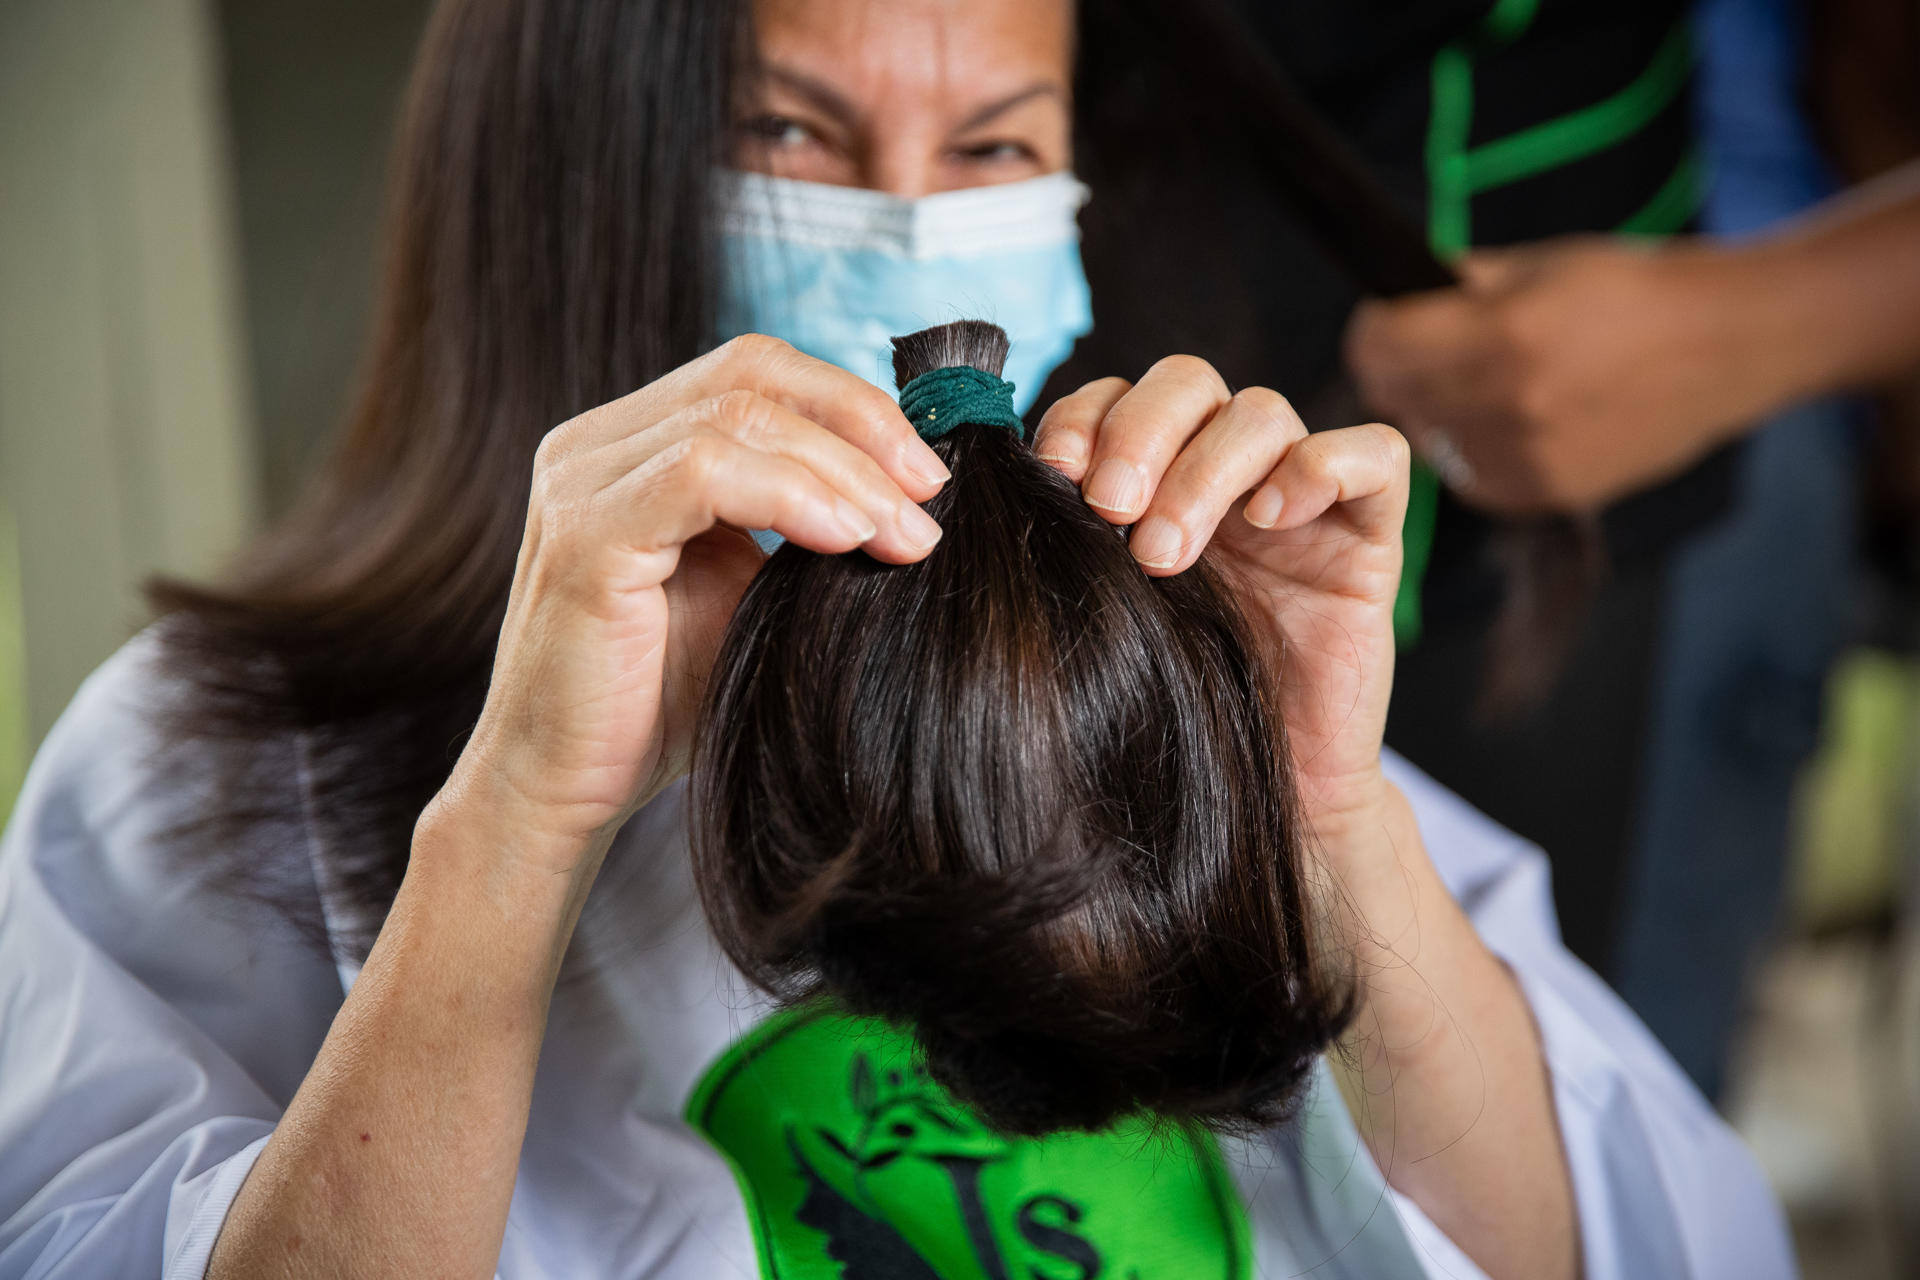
x: 1353, y: 807
x: 1372, y: 850
x: 522, y: 877
x: 1765, y: 306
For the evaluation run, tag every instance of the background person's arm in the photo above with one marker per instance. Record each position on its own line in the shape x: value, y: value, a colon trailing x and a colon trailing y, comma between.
x: 1572, y: 372
x: 1837, y: 293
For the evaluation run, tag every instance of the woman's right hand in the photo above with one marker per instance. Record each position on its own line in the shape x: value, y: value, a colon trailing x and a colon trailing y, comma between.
x: 398, y: 1154
x: 634, y: 556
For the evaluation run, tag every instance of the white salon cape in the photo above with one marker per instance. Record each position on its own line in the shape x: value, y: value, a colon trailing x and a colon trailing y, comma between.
x: 152, y: 1032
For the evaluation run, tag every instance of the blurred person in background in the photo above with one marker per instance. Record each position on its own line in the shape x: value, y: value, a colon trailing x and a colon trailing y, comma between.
x: 1603, y: 380
x: 288, y: 896
x: 1757, y: 609
x: 1496, y: 124
x: 1567, y: 375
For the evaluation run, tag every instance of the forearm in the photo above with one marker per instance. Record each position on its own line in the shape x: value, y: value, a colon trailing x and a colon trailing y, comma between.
x: 1443, y: 1068
x: 398, y: 1154
x: 1832, y: 302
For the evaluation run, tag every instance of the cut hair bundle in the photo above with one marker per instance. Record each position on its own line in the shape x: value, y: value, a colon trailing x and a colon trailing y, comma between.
x: 1021, y: 799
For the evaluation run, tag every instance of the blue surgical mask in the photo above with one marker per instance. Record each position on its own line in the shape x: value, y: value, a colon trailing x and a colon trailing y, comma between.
x: 837, y: 271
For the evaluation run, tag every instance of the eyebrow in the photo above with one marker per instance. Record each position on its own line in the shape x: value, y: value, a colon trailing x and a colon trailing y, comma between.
x: 1038, y: 89
x: 832, y: 102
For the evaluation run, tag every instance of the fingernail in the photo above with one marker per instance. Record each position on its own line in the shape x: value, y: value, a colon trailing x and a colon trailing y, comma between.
x: 925, y: 466
x: 1066, y: 457
x: 1157, y: 542
x: 917, y: 527
x: 853, y: 519
x: 1263, y: 509
x: 1117, y: 486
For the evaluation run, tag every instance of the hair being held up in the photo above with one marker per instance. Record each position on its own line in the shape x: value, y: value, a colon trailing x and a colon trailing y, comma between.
x: 1019, y: 797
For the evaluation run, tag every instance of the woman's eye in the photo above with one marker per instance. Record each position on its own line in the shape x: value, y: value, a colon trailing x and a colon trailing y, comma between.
x: 778, y: 131
x: 995, y: 152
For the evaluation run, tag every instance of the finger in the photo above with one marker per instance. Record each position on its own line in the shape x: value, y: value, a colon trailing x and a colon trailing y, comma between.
x: 849, y: 407
x: 1237, y: 450
x: 1362, y: 470
x: 706, y: 479
x: 903, y: 530
x: 1064, y: 438
x: 1145, y: 430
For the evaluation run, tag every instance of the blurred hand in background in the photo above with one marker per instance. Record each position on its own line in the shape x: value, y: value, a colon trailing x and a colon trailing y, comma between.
x: 1566, y: 374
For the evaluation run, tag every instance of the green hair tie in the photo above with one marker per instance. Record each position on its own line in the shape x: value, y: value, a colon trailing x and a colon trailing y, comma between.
x: 941, y: 399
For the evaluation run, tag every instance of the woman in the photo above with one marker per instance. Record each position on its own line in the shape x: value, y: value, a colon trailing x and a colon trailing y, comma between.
x: 185, y: 1087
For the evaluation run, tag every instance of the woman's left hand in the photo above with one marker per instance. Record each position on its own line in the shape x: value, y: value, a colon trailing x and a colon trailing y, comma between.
x: 1307, y: 528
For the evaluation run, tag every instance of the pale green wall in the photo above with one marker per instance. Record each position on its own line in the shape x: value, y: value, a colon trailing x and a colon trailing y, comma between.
x: 13, y: 688
x: 312, y: 88
x: 125, y: 438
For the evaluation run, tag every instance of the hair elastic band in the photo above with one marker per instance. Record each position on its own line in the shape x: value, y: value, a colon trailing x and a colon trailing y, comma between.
x: 941, y: 399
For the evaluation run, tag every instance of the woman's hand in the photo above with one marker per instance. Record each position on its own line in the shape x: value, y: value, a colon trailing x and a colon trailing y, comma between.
x: 634, y: 558
x: 1307, y: 527
x: 398, y: 1154
x: 1564, y: 375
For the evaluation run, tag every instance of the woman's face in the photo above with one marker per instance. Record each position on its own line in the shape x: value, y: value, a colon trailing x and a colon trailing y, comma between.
x: 910, y: 97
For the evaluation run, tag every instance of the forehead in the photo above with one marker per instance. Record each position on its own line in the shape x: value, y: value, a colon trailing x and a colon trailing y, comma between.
x: 957, y: 50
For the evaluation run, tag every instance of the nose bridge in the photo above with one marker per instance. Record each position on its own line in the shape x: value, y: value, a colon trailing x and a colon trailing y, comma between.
x: 906, y: 123
x: 897, y: 165
x: 902, y: 146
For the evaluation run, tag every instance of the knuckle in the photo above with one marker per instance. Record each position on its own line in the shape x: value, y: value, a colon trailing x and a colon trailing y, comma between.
x: 551, y: 480
x: 740, y: 413
x: 693, y: 461
x: 559, y: 515
x: 1316, y: 460
x: 1266, y: 404
x: 701, y: 457
x: 542, y: 496
x: 1078, y: 408
x: 1190, y: 371
x: 554, y: 446
x: 1392, y: 445
x: 1197, y: 489
x: 754, y: 348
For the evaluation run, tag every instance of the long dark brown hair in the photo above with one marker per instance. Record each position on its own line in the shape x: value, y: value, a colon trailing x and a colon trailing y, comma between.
x: 548, y: 247
x: 1022, y: 798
